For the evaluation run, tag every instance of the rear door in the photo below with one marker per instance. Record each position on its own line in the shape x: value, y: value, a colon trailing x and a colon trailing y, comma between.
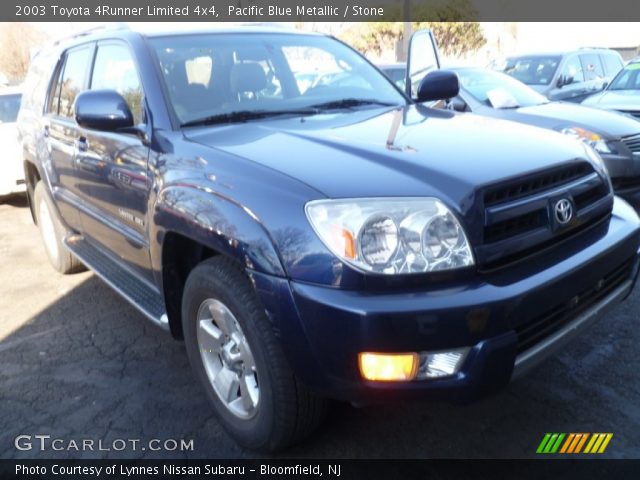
x: 115, y: 164
x: 61, y: 132
x: 595, y: 77
x: 612, y: 63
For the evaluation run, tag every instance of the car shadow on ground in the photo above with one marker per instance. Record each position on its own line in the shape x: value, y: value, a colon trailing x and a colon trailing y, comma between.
x: 90, y: 366
x: 15, y: 200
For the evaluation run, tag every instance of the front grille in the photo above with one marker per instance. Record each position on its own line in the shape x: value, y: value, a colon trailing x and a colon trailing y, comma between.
x: 518, y: 216
x: 514, y: 226
x: 535, y: 183
x: 560, y: 315
x: 633, y: 141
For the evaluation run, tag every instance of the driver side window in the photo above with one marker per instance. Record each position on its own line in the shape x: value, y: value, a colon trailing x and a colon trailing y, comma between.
x: 114, y: 69
x: 572, y: 71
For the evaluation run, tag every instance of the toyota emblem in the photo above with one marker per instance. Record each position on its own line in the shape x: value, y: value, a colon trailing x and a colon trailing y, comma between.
x: 563, y: 211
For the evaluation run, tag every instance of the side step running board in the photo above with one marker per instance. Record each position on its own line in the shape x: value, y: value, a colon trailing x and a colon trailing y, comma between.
x: 141, y: 295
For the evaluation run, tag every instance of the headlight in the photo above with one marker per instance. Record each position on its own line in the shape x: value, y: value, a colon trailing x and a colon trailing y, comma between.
x: 590, y: 138
x: 392, y: 236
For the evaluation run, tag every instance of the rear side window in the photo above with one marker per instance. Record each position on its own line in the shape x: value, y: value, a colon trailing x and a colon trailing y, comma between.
x: 592, y: 66
x: 114, y: 69
x: 572, y: 71
x: 71, y: 82
x: 612, y: 64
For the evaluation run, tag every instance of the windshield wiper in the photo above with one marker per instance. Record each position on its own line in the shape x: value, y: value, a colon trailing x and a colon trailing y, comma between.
x: 351, y: 102
x: 245, y: 115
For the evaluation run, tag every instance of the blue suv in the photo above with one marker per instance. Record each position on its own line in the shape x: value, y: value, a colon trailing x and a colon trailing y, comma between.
x: 312, y: 242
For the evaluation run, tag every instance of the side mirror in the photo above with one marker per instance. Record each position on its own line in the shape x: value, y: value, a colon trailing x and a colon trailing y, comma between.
x: 104, y: 110
x: 438, y: 85
x: 564, y: 80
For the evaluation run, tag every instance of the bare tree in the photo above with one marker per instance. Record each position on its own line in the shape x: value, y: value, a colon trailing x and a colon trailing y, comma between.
x: 17, y: 42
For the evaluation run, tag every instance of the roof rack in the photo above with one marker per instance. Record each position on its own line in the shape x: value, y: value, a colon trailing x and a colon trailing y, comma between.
x: 100, y: 28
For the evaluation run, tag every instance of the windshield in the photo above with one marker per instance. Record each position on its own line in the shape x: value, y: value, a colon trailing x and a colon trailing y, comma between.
x: 627, y: 79
x: 486, y: 86
x: 538, y: 70
x: 214, y: 75
x: 9, y: 106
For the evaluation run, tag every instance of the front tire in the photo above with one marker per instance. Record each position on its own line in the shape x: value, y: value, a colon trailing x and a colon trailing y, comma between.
x: 238, y: 359
x: 53, y: 232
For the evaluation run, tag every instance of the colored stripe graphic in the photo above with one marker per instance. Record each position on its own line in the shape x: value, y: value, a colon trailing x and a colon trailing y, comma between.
x: 550, y: 443
x: 573, y: 443
x: 598, y: 443
x: 544, y: 441
x: 581, y: 442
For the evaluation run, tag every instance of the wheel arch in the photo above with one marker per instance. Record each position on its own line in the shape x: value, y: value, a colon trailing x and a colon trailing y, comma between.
x: 190, y: 225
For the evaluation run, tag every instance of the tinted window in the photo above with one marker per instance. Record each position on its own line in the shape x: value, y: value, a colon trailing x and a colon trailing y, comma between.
x: 592, y: 66
x: 73, y: 80
x: 612, y: 64
x: 38, y: 80
x: 9, y: 107
x: 572, y: 71
x: 114, y: 69
x: 627, y: 79
x: 272, y: 72
x: 537, y: 70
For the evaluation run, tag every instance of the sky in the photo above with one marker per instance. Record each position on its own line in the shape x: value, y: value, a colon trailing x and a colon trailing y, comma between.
x: 542, y: 36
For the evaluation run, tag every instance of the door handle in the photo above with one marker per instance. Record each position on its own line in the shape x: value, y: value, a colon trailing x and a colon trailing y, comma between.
x: 82, y: 144
x: 46, y: 131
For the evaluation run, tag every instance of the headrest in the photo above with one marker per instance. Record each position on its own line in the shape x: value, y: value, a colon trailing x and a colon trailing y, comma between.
x: 247, y: 77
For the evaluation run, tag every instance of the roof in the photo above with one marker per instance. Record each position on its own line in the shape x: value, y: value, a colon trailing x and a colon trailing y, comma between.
x: 561, y: 53
x: 149, y: 31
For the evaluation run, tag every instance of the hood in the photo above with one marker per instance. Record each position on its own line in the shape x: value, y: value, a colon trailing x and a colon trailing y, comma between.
x: 559, y: 115
x: 411, y: 151
x: 628, y: 100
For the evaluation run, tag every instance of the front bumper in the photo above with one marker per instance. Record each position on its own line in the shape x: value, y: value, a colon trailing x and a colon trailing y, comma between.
x: 511, y: 320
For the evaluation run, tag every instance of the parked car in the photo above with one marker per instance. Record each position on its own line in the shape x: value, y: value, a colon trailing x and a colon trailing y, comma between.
x: 623, y: 93
x: 569, y: 76
x: 345, y: 243
x: 11, y: 173
x: 615, y: 137
x: 396, y: 72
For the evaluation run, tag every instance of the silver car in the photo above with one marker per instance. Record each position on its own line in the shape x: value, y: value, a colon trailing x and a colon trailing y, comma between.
x: 11, y: 172
x: 570, y: 76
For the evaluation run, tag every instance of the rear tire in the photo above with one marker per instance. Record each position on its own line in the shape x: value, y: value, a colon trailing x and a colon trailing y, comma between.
x: 53, y: 232
x: 226, y: 332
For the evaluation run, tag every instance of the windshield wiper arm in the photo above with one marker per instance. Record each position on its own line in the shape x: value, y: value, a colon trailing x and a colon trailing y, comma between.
x: 244, y: 115
x: 351, y: 102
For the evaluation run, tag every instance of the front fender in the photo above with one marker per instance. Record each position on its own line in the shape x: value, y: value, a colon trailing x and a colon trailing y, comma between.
x: 216, y: 222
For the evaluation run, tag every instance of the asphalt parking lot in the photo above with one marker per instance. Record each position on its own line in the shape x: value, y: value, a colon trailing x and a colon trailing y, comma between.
x: 78, y: 362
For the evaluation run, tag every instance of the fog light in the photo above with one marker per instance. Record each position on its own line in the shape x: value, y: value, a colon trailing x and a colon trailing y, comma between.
x: 388, y: 367
x: 441, y: 364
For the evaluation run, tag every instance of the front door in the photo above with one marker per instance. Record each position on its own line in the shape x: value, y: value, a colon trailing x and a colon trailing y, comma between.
x: 116, y: 164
